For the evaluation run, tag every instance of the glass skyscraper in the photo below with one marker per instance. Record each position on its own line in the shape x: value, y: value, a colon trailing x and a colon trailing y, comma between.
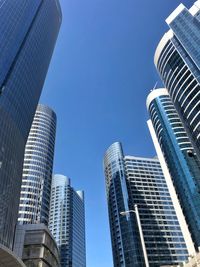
x: 28, y: 34
x: 177, y: 59
x: 37, y: 169
x: 180, y: 157
x: 134, y: 180
x: 67, y: 222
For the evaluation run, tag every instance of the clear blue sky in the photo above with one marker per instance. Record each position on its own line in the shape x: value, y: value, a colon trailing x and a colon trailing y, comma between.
x: 100, y: 75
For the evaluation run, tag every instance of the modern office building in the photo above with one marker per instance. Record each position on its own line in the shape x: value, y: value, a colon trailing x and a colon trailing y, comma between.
x: 193, y: 261
x: 180, y: 157
x: 35, y: 245
x: 28, y: 34
x: 177, y: 59
x: 140, y: 181
x: 37, y: 169
x: 67, y: 222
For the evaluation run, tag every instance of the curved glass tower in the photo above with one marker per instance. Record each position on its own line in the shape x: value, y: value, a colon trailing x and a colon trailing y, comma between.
x: 180, y: 157
x: 67, y: 221
x: 177, y: 60
x: 29, y: 31
x: 134, y: 180
x: 126, y: 245
x: 37, y: 169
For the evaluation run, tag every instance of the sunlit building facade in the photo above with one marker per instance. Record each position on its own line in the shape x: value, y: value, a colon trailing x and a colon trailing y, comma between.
x: 37, y: 169
x: 134, y: 180
x: 180, y: 157
x: 177, y: 60
x: 29, y: 31
x: 67, y: 222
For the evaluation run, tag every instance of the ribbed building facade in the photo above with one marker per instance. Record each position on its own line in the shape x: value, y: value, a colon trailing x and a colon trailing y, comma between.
x: 180, y: 157
x: 67, y: 222
x: 177, y: 60
x: 29, y: 31
x: 134, y: 180
x: 37, y: 169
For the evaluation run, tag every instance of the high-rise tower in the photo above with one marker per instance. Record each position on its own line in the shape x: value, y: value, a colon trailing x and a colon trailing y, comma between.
x: 28, y: 34
x: 37, y: 168
x: 134, y: 180
x: 180, y: 157
x: 67, y: 222
x: 177, y: 60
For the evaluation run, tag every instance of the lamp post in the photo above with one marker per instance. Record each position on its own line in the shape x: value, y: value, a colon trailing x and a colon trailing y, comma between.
x: 123, y: 213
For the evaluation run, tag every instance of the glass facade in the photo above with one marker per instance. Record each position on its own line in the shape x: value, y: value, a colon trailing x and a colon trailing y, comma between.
x: 126, y: 245
x: 37, y: 168
x: 78, y: 229
x: 67, y: 222
x: 132, y: 180
x: 182, y: 162
x: 28, y: 34
x: 177, y: 59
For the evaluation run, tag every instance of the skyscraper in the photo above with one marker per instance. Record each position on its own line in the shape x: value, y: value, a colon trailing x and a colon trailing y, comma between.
x: 37, y: 169
x: 67, y: 222
x: 134, y: 180
x: 177, y: 59
x: 28, y: 34
x: 180, y: 157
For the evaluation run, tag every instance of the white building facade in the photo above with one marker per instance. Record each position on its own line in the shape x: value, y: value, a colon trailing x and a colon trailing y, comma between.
x: 37, y: 168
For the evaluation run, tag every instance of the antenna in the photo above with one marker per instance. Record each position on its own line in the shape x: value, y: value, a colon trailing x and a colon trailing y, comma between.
x: 155, y: 85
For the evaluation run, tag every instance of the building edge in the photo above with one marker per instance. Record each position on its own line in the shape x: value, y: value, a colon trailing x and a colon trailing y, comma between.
x: 177, y: 207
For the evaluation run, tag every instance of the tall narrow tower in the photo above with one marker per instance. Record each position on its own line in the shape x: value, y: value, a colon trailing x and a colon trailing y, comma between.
x: 67, y: 222
x: 29, y: 31
x: 180, y: 157
x: 177, y: 59
x: 37, y: 168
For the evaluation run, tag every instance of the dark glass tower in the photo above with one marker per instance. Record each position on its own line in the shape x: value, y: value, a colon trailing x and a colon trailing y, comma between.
x: 177, y: 60
x: 126, y: 246
x: 180, y: 157
x: 134, y: 180
x: 28, y: 34
x: 37, y: 168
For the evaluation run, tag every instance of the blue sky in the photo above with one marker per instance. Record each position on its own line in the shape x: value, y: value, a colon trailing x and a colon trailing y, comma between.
x: 100, y: 74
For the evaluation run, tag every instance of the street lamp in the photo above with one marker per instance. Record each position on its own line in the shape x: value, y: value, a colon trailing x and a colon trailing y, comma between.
x: 123, y: 213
